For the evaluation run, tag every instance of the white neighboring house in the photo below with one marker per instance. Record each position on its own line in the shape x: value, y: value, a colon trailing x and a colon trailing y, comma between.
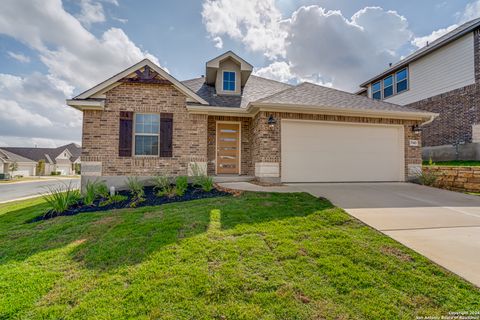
x: 63, y: 159
x: 24, y: 167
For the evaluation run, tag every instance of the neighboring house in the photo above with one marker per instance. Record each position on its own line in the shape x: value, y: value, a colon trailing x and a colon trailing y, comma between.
x: 13, y: 165
x: 63, y: 159
x: 443, y: 77
x: 144, y: 122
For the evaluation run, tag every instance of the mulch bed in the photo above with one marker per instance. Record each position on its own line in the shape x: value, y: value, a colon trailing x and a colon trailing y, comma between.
x: 151, y: 199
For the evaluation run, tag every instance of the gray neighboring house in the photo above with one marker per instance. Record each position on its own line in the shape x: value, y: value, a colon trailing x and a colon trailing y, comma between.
x: 62, y: 159
x: 24, y: 166
x: 443, y: 77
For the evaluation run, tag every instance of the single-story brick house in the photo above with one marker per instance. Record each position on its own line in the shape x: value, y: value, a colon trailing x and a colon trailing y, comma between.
x: 144, y: 122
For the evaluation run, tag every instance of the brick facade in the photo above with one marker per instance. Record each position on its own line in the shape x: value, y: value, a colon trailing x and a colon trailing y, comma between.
x: 458, y: 109
x: 194, y: 135
x: 101, y: 131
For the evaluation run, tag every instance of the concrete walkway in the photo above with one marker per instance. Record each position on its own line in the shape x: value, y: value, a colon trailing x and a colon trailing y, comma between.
x: 442, y: 225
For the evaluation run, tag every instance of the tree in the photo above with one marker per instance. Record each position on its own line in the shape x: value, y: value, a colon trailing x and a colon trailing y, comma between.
x: 41, y: 167
x: 13, y: 166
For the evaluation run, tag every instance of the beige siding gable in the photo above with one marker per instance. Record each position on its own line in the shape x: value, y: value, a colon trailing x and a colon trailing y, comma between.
x: 443, y: 70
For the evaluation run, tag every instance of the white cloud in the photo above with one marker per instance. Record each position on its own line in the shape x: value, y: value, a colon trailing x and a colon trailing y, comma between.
x: 218, y: 42
x: 91, y: 12
x: 278, y: 70
x: 19, y: 57
x: 472, y: 11
x: 254, y: 22
x: 421, y: 42
x: 312, y: 44
x: 11, y: 111
x: 75, y: 59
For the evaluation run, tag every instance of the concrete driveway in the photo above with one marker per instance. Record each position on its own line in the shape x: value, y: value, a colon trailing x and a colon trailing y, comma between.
x: 441, y: 225
x: 19, y: 190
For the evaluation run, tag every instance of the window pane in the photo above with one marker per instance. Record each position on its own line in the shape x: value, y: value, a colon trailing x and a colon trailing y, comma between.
x: 228, y: 81
x: 377, y: 95
x: 146, y: 145
x: 401, y: 75
x: 402, y: 86
x: 388, y: 81
x: 376, y: 87
x: 147, y: 123
x: 387, y: 92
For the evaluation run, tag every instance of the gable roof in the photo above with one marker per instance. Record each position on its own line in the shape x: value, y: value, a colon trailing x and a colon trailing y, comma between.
x: 214, y: 63
x: 48, y: 154
x: 8, y: 156
x: 437, y: 44
x: 86, y: 97
x: 254, y: 89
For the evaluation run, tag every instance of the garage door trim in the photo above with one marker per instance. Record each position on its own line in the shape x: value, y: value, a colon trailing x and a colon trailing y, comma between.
x: 400, y: 141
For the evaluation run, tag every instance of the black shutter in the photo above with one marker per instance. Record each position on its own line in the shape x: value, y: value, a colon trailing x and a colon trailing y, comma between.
x: 125, y: 134
x: 166, y: 134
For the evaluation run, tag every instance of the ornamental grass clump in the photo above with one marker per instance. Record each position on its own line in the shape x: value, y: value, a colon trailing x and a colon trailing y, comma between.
x: 94, y: 190
x: 136, y: 190
x: 200, y: 178
x: 60, y: 198
x: 181, y: 186
x: 163, y: 187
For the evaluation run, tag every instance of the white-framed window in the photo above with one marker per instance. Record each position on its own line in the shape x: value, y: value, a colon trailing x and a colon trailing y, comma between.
x: 377, y: 90
x: 228, y: 81
x: 147, y: 134
x: 388, y: 87
x: 402, y: 80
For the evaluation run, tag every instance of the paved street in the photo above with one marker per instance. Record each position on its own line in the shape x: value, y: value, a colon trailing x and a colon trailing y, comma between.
x: 11, y: 191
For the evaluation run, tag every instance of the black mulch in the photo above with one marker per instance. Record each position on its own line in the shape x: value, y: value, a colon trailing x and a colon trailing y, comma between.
x: 151, y: 199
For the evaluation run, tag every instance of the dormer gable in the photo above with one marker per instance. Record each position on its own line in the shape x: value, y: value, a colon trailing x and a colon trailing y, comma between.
x: 228, y: 73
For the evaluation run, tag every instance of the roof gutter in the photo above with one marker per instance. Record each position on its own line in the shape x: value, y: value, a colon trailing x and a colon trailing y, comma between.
x: 253, y: 108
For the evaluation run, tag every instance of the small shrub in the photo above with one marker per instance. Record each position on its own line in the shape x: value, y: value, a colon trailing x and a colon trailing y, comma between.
x: 136, y: 190
x: 61, y: 198
x: 181, y: 185
x: 163, y: 187
x: 94, y: 190
x: 116, y: 198
x: 200, y: 178
x: 426, y: 177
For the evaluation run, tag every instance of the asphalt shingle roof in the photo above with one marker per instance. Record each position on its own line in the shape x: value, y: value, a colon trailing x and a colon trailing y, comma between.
x: 310, y: 94
x: 12, y: 157
x: 37, y: 154
x: 255, y: 88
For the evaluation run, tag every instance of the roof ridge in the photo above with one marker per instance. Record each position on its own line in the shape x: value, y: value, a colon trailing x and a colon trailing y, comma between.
x: 280, y: 92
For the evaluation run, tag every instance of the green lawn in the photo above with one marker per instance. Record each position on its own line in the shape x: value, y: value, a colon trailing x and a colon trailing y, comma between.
x: 257, y: 256
x: 456, y: 163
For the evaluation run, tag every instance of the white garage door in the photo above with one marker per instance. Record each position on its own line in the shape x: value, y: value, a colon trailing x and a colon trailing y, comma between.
x: 316, y: 151
x: 25, y: 170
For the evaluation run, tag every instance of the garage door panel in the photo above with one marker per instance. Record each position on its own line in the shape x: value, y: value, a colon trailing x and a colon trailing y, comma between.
x: 341, y: 152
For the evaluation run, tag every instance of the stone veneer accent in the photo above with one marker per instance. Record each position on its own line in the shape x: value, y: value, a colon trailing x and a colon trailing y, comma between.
x: 456, y: 178
x: 101, y: 132
x: 266, y: 141
x: 245, y: 140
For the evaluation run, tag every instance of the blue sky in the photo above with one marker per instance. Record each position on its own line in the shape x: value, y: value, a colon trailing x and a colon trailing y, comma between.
x: 53, y: 49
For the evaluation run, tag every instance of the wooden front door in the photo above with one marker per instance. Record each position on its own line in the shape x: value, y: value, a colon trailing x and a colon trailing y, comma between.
x: 228, y: 148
